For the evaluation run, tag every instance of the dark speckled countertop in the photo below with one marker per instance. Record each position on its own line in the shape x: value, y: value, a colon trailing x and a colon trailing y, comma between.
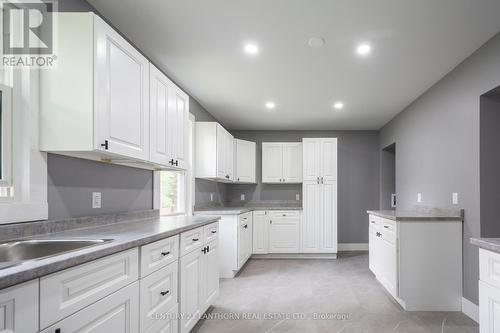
x: 126, y: 234
x: 420, y: 214
x: 490, y: 244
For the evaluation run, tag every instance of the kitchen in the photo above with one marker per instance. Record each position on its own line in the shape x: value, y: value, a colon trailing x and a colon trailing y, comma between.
x: 168, y: 174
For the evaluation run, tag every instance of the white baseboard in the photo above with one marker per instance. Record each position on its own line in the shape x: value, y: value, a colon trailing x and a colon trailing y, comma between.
x: 295, y: 256
x: 353, y: 247
x: 470, y: 309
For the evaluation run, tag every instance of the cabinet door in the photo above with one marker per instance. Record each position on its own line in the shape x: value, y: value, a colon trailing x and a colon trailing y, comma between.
x: 310, y: 228
x: 372, y: 238
x: 160, y: 125
x: 260, y: 232
x: 311, y: 159
x: 292, y: 162
x: 118, y: 312
x: 272, y: 162
x: 19, y: 308
x: 328, y: 224
x: 221, y: 152
x: 158, y: 294
x: 210, y: 288
x: 284, y: 232
x: 190, y: 286
x: 388, y: 263
x: 229, y: 144
x: 121, y: 95
x: 179, y: 110
x: 244, y: 225
x: 245, y: 161
x: 489, y: 308
x: 329, y: 159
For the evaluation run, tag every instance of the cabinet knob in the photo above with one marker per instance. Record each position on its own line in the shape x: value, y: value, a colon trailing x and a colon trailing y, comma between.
x: 270, y: 221
x: 171, y: 162
x: 163, y: 293
x: 245, y: 226
x: 204, y: 250
x: 105, y: 145
x: 208, y: 248
x: 176, y: 163
x: 317, y: 180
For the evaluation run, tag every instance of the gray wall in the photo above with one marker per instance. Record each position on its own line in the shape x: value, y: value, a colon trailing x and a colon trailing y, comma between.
x: 437, y: 140
x: 358, y: 173
x: 490, y: 165
x: 71, y: 182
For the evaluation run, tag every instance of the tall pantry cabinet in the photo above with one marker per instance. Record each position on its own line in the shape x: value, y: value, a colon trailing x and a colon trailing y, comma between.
x: 319, y: 190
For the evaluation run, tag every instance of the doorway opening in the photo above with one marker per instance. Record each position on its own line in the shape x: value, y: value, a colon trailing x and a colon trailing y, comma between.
x: 388, y: 199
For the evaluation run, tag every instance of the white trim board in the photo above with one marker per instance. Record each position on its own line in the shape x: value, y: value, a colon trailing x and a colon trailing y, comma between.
x: 470, y: 309
x: 353, y: 247
x: 295, y: 256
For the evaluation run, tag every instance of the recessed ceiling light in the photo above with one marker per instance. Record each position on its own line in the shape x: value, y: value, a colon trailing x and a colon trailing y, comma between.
x: 316, y: 42
x: 251, y: 49
x: 364, y: 49
x: 270, y: 105
x: 338, y: 105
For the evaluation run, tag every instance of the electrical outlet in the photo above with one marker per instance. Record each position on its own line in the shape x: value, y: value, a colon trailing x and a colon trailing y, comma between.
x: 297, y: 197
x: 454, y: 198
x: 96, y: 200
x: 419, y: 197
x: 211, y: 197
x: 242, y: 197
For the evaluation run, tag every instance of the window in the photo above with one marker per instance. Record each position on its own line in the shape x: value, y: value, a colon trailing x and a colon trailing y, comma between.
x: 172, y: 192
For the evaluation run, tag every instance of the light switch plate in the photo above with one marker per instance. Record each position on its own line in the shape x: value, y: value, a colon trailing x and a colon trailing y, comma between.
x: 211, y: 197
x: 96, y: 199
x: 454, y: 198
x: 419, y: 197
x: 242, y: 197
x: 297, y: 197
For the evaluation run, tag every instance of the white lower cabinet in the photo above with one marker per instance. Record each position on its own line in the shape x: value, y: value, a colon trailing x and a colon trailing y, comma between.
x: 489, y: 291
x: 407, y: 259
x: 118, y: 312
x: 19, y: 308
x: 284, y: 232
x: 168, y: 324
x: 198, y: 279
x: 235, y: 245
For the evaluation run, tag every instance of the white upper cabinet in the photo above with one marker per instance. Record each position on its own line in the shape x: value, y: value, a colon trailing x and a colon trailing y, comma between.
x: 245, y: 161
x: 168, y: 121
x: 121, y: 81
x: 107, y: 107
x: 282, y: 163
x: 214, y: 152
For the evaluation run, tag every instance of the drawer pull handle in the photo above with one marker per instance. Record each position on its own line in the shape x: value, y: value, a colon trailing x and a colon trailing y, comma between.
x: 165, y: 253
x: 163, y: 293
x: 214, y: 231
x: 208, y: 248
x: 204, y: 250
x: 372, y: 222
x: 386, y: 226
x: 195, y: 239
x: 58, y: 330
x: 284, y: 214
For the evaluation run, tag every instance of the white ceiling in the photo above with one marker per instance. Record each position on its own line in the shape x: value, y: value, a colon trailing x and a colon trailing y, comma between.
x: 199, y: 44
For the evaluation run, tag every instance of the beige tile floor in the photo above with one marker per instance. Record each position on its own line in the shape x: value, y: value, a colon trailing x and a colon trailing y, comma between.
x: 266, y: 290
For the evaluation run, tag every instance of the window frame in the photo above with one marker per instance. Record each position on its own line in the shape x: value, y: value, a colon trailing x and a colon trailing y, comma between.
x: 188, y: 188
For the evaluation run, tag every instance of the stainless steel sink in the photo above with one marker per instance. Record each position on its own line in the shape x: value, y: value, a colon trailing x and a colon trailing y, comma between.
x: 20, y: 250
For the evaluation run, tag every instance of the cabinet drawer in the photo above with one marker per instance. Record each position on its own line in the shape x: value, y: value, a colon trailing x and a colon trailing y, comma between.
x: 211, y: 232
x: 119, y: 312
x: 19, y: 308
x: 191, y: 240
x: 158, y: 293
x: 167, y: 324
x: 159, y: 254
x: 65, y: 292
x: 388, y: 224
x: 288, y: 213
x: 245, y: 217
x: 489, y: 267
